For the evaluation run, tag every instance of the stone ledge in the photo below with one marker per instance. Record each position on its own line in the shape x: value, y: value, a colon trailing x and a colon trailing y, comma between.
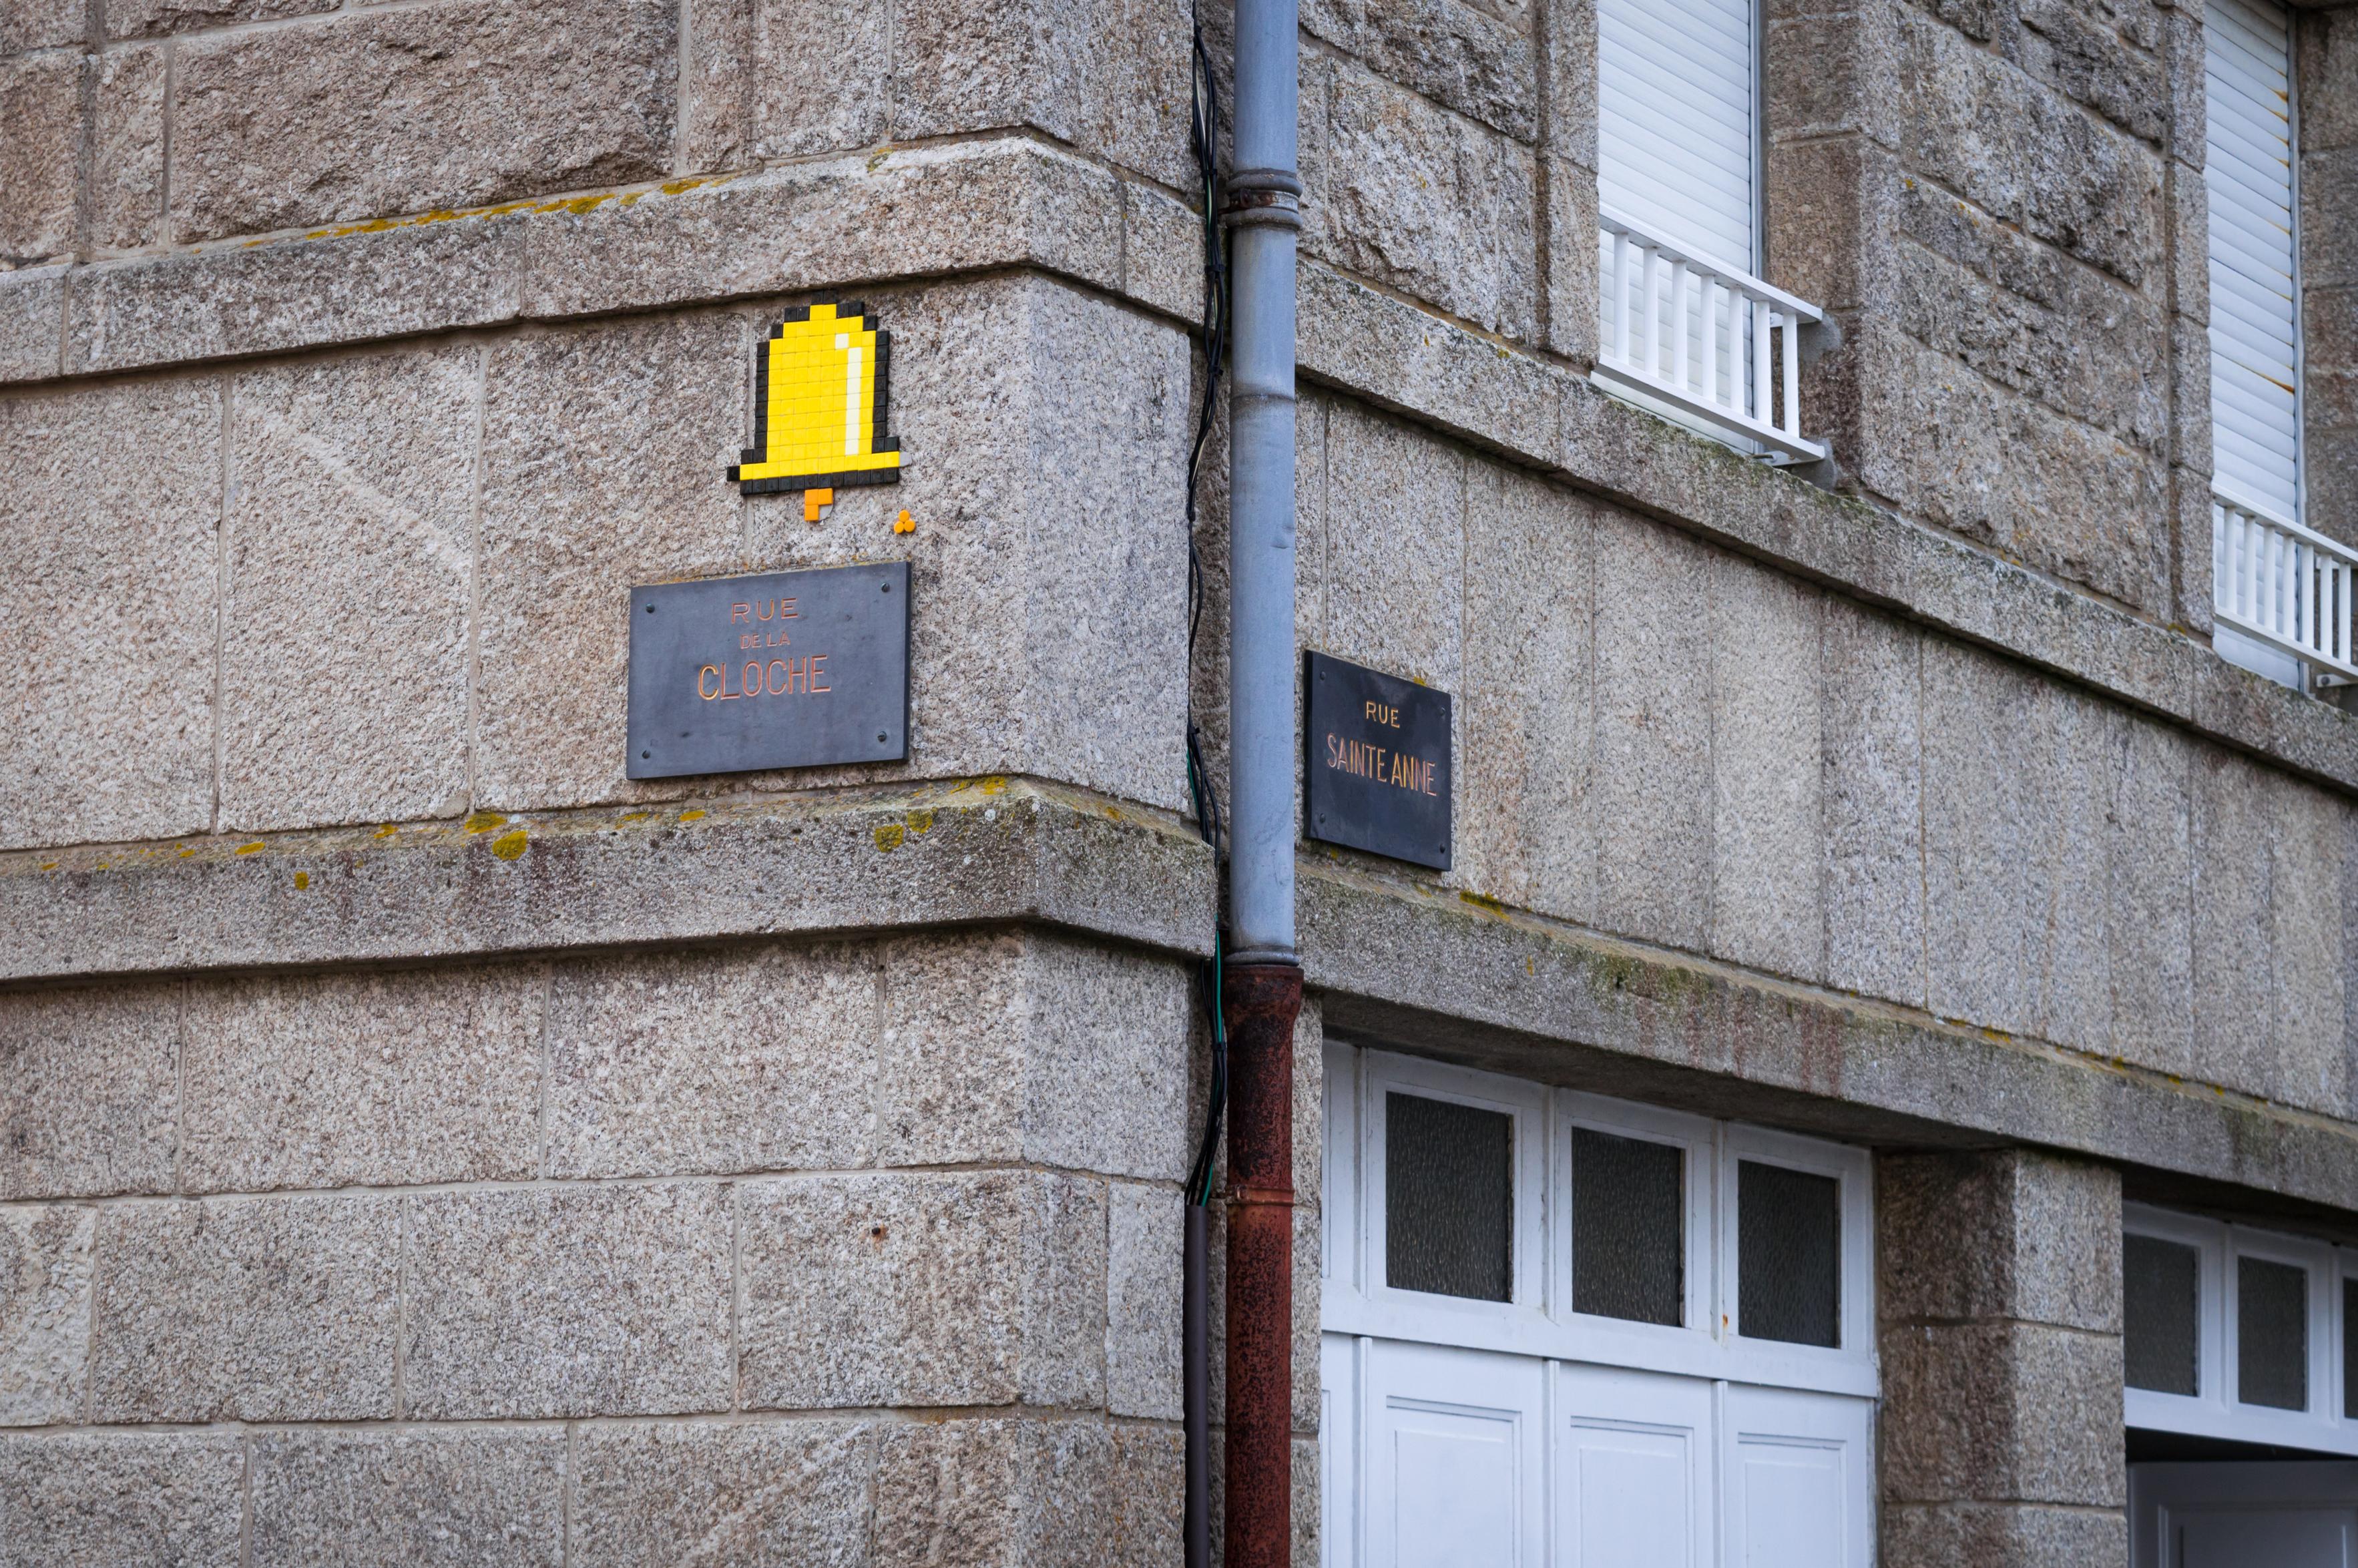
x: 958, y: 853
x: 1414, y: 966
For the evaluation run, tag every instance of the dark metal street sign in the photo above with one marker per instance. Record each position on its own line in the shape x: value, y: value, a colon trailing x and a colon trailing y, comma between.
x: 1379, y: 762
x: 779, y: 670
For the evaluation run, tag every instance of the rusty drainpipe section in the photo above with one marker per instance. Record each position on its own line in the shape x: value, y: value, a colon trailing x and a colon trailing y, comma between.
x: 1262, y: 980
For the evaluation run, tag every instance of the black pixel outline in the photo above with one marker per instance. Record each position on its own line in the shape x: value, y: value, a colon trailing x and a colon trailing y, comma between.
x: 856, y: 310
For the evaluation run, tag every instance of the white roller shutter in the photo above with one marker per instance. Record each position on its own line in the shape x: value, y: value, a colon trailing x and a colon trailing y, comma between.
x: 1677, y: 128
x: 2255, y: 338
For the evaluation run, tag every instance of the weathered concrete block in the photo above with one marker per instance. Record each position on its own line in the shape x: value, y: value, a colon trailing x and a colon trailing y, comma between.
x: 604, y: 1301
x: 1872, y: 728
x: 2233, y: 902
x: 1144, y: 1230
x: 2005, y: 1235
x: 1652, y: 793
x: 353, y: 508
x: 106, y: 561
x: 40, y: 136
x: 32, y: 322
x: 371, y: 116
x: 603, y: 452
x: 1420, y: 199
x: 733, y: 1496
x: 1395, y: 566
x: 154, y: 18
x: 126, y: 151
x: 294, y: 293
x: 921, y: 1290
x: 44, y: 1313
x: 2023, y: 154
x: 27, y: 24
x: 2000, y: 1535
x: 2014, y: 812
x: 1031, y: 1047
x: 1061, y: 1494
x: 2149, y: 922
x: 1767, y: 765
x: 99, y: 1501
x: 739, y: 1061
x: 1524, y: 833
x: 88, y: 1091
x: 371, y: 1079
x: 423, y: 1499
x: 1478, y: 63
x: 246, y: 1309
x: 2006, y: 1412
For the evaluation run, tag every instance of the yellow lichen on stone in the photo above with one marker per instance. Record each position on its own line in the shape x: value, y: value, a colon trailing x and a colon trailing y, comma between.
x: 484, y: 821
x: 888, y: 837
x: 508, y: 846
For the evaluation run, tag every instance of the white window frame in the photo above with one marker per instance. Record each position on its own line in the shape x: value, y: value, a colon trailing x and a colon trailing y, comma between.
x: 1539, y: 1321
x: 2215, y: 1410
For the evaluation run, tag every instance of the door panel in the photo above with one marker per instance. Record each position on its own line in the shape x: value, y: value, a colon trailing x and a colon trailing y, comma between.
x: 1633, y: 1469
x: 1453, y: 1458
x: 1798, y: 1467
x: 2230, y: 1514
x: 2238, y: 1538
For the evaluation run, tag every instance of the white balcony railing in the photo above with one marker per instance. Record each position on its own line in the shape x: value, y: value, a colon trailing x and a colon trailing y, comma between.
x: 2288, y: 585
x: 1697, y: 335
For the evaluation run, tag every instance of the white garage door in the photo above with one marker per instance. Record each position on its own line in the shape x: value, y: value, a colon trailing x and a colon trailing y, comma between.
x: 1571, y: 1333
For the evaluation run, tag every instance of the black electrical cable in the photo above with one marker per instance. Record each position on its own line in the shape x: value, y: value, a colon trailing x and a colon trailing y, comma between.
x: 1204, y: 139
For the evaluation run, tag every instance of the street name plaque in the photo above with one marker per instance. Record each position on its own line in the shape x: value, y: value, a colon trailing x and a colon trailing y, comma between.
x: 777, y: 670
x: 1379, y: 769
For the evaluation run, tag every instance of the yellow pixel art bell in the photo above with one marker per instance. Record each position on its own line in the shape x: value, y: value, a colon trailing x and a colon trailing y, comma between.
x: 819, y: 390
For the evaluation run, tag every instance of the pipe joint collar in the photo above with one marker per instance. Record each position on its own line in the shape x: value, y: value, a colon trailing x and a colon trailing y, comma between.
x: 1266, y: 205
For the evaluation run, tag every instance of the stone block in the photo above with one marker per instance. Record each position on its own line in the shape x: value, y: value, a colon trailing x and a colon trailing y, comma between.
x: 2150, y: 918
x: 126, y: 147
x: 28, y: 25
x: 731, y: 1497
x: 1032, y: 1047
x: 246, y: 1309
x: 2024, y: 154
x: 743, y: 1060
x: 2328, y: 218
x: 2233, y: 902
x: 2328, y: 88
x: 949, y: 1289
x: 1421, y: 200
x: 1767, y: 753
x: 1144, y: 1231
x: 2104, y: 56
x: 1524, y: 833
x: 1572, y: 263
x: 2005, y: 1411
x: 1651, y: 766
x: 2189, y: 423
x: 383, y: 1079
x: 89, y: 1091
x: 109, y: 564
x: 1871, y: 724
x: 166, y: 309
x: 374, y: 115
x: 815, y: 77
x: 1830, y: 71
x: 2184, y: 56
x: 156, y: 19
x: 1473, y: 61
x: 1059, y: 1494
x: 2010, y: 1234
x: 32, y: 322
x: 581, y: 1301
x: 2309, y: 1022
x: 1832, y: 221
x: 351, y: 556
x: 409, y: 1499
x: 98, y: 1500
x: 1976, y: 291
x: 1568, y: 65
x: 1395, y: 568
x: 1109, y: 75
x: 40, y: 138
x: 44, y: 1313
x: 2000, y: 1535
x: 2190, y: 246
x: 603, y: 456
x: 2015, y: 806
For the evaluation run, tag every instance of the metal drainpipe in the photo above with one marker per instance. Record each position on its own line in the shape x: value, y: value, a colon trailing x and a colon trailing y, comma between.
x: 1263, y: 980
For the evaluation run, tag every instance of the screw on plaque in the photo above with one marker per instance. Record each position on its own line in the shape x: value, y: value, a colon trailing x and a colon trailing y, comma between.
x: 880, y: 737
